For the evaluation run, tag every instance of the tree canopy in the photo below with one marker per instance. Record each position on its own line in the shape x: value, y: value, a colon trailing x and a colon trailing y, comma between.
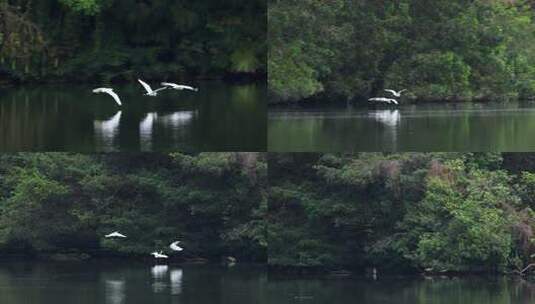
x: 214, y: 203
x: 88, y: 40
x: 444, y: 50
x: 401, y: 212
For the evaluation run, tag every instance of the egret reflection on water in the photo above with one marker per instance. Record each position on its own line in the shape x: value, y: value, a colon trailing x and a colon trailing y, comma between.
x: 71, y: 118
x: 176, y: 281
x: 159, y: 271
x: 115, y: 291
x: 174, y: 121
x: 159, y: 274
x: 107, y: 130
x: 390, y: 118
x: 162, y: 281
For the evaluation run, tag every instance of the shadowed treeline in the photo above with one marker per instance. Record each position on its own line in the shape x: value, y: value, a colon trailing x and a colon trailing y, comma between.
x: 441, y: 50
x: 408, y: 212
x: 119, y: 40
x: 54, y: 203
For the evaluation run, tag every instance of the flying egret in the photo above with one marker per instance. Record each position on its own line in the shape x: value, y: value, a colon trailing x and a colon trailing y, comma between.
x: 383, y: 99
x: 115, y: 234
x: 179, y: 87
x: 110, y: 92
x: 159, y: 255
x: 174, y: 246
x: 149, y: 90
x: 396, y: 94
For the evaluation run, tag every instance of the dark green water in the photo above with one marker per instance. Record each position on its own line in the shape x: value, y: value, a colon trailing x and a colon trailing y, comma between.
x: 423, y: 127
x: 401, y: 291
x: 113, y: 282
x: 128, y: 283
x: 71, y: 118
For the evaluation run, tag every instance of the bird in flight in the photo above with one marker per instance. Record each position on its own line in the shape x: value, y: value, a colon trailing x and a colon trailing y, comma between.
x: 150, y: 91
x: 115, y: 234
x: 110, y: 92
x: 174, y: 246
x: 159, y: 255
x: 179, y: 87
x: 396, y: 94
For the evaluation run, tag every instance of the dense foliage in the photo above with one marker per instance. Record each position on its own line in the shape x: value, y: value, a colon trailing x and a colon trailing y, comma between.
x: 402, y: 212
x: 214, y: 203
x: 83, y: 40
x: 439, y: 50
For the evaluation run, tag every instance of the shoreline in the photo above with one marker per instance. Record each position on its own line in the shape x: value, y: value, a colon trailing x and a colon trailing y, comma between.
x: 348, y: 272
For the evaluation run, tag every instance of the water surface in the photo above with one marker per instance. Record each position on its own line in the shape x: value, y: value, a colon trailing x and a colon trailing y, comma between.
x: 402, y: 290
x: 128, y: 283
x: 423, y: 127
x: 220, y: 117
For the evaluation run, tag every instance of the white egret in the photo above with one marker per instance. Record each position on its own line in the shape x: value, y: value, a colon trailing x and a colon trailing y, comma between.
x: 115, y: 234
x: 174, y: 246
x: 179, y: 87
x: 159, y: 255
x: 383, y: 99
x: 110, y: 92
x: 150, y: 91
x: 396, y: 94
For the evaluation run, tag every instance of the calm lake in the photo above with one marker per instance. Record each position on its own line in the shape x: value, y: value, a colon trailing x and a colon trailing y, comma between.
x: 497, y: 290
x: 219, y: 117
x: 128, y: 283
x: 423, y: 127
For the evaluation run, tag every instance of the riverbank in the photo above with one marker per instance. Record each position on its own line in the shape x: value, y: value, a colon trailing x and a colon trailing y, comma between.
x: 321, y: 100
x: 372, y: 271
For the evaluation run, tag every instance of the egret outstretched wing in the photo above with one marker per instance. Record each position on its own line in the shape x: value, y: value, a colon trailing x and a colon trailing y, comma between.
x: 160, y: 89
x: 396, y: 94
x: 179, y: 87
x: 116, y: 97
x: 115, y: 234
x: 174, y: 246
x: 146, y: 86
x: 159, y: 255
x: 110, y: 92
x: 384, y: 99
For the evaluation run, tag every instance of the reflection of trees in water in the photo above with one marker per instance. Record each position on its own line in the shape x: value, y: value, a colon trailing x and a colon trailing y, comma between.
x: 444, y: 128
x: 25, y: 125
x: 404, y: 290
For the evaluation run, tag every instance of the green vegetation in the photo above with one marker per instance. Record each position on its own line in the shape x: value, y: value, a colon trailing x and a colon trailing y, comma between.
x: 118, y: 40
x: 448, y: 50
x: 402, y: 212
x: 53, y: 203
